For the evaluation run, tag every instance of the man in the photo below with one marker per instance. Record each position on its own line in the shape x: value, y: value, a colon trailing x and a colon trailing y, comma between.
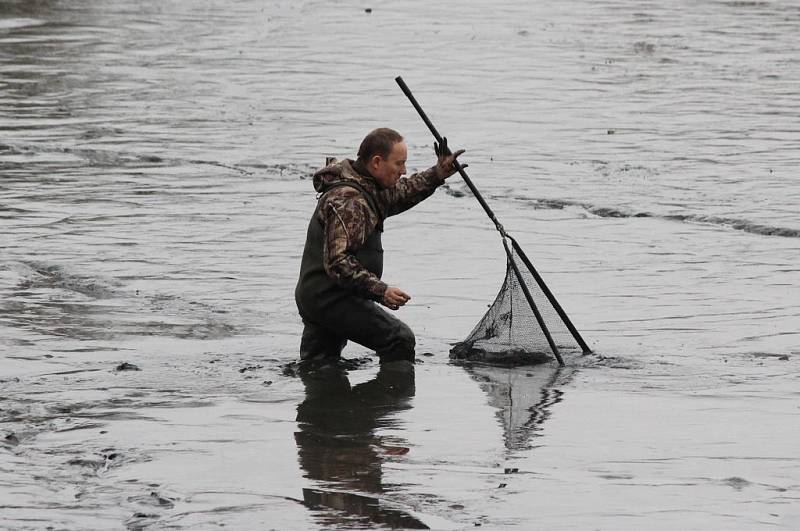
x: 340, y: 274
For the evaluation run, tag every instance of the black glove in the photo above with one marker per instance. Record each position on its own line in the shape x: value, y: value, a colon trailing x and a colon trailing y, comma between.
x: 446, y: 163
x: 441, y: 150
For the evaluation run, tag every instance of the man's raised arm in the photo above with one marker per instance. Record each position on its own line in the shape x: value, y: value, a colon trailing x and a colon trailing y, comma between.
x: 419, y: 186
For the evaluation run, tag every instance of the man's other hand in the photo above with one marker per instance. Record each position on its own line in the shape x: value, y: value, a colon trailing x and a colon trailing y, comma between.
x: 446, y: 163
x: 393, y: 298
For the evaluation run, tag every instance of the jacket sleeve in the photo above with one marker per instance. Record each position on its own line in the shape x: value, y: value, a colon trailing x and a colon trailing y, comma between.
x: 410, y: 191
x: 348, y: 222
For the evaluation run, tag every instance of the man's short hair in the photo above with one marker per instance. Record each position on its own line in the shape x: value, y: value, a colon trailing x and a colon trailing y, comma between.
x: 378, y: 142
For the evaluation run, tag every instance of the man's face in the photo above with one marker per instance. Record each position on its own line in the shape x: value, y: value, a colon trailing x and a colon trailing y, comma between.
x: 389, y: 170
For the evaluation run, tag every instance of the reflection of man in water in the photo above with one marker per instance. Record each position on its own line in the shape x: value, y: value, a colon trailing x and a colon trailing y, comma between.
x: 337, y: 445
x: 340, y: 275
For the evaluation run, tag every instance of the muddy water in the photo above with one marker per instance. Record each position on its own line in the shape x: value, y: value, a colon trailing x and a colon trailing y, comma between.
x: 154, y: 193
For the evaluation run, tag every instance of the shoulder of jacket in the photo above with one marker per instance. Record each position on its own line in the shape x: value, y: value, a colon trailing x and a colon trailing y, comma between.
x: 344, y: 197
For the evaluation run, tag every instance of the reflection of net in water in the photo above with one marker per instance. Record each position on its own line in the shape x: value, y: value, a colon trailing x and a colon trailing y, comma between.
x: 521, y: 327
x: 523, y: 400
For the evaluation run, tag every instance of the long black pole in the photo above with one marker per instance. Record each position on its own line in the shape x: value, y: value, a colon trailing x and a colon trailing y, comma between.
x: 438, y: 137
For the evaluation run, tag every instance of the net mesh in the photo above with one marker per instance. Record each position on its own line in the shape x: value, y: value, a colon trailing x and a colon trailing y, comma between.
x: 509, y: 332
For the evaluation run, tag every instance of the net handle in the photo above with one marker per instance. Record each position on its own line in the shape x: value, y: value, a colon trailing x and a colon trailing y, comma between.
x: 456, y: 164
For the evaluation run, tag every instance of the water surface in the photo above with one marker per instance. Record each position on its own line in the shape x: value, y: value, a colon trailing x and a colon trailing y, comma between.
x: 154, y: 195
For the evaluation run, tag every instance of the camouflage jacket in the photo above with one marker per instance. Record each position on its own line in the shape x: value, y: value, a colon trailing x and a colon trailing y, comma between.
x: 348, y: 219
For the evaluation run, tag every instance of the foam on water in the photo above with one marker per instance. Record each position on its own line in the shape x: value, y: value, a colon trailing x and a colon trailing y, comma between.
x: 15, y: 23
x: 612, y: 212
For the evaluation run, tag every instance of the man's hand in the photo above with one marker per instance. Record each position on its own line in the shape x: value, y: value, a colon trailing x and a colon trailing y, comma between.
x: 393, y: 298
x: 446, y: 163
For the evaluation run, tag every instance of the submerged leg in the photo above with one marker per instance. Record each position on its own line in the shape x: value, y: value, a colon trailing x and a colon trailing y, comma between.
x: 365, y: 323
x: 319, y: 342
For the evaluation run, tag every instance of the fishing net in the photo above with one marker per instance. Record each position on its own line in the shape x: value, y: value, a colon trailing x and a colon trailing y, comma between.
x: 518, y: 330
x: 525, y: 324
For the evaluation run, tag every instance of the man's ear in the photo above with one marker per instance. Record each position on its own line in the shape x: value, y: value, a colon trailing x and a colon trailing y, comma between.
x: 375, y: 160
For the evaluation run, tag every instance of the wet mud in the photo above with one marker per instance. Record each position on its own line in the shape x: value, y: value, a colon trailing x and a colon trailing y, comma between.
x: 154, y: 195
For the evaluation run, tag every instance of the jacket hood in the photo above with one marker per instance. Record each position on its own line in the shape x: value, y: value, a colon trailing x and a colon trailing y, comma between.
x: 337, y: 171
